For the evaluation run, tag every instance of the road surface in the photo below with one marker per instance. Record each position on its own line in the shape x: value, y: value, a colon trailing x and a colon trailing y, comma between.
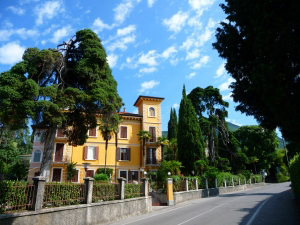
x: 268, y: 205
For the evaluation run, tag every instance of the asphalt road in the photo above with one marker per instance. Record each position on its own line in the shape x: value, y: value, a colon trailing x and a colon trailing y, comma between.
x: 268, y: 205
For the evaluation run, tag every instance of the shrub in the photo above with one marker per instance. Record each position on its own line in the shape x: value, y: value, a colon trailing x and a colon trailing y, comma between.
x: 101, y: 177
x: 71, y: 170
x: 294, y: 173
x: 109, y: 171
x: 281, y: 178
x: 224, y: 176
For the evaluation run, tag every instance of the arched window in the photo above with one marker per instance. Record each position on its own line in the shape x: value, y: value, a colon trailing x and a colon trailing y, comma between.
x: 37, y: 156
x: 151, y: 111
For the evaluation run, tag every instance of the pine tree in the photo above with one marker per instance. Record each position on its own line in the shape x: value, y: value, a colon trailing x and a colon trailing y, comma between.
x: 189, y: 138
x: 172, y: 125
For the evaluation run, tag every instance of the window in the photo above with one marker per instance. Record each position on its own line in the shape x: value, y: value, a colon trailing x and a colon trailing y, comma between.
x: 60, y: 133
x: 152, y: 131
x: 123, y: 132
x: 93, y: 132
x: 91, y: 152
x: 56, y: 174
x: 37, y: 156
x: 59, y: 152
x: 38, y: 136
x: 133, y: 176
x: 123, y: 173
x: 89, y: 173
x: 123, y: 154
x: 151, y: 156
x: 36, y: 174
x: 151, y: 111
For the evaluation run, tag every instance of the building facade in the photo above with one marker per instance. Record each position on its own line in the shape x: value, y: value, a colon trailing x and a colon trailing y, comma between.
x: 126, y: 159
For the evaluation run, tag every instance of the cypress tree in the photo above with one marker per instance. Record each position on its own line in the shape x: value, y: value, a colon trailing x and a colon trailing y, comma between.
x: 172, y: 125
x: 189, y: 138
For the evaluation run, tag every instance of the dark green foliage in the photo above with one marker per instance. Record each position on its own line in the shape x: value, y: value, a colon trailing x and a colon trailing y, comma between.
x: 293, y: 149
x: 103, y: 192
x: 101, y: 177
x: 189, y: 138
x: 172, y: 125
x: 294, y: 172
x: 259, y: 145
x: 109, y: 171
x: 71, y: 170
x: 168, y: 166
x: 279, y: 167
x: 261, y: 43
x: 133, y: 190
x: 19, y: 170
x: 65, y: 87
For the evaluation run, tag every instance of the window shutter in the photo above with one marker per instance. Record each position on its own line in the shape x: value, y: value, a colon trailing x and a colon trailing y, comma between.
x: 129, y: 176
x: 123, y: 132
x: 96, y: 152
x: 92, y: 132
x: 85, y: 152
x: 59, y: 152
x: 153, y: 155
x: 148, y: 155
x: 154, y: 134
x: 118, y: 154
x: 128, y: 154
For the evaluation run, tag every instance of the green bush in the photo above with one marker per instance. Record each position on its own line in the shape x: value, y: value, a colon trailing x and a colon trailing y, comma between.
x: 132, y: 190
x: 109, y: 171
x: 258, y: 178
x: 294, y: 173
x: 101, y: 177
x: 224, y: 176
x: 281, y: 178
x: 103, y: 192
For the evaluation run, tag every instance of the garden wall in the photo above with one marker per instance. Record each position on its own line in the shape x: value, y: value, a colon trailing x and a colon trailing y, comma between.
x: 85, y: 214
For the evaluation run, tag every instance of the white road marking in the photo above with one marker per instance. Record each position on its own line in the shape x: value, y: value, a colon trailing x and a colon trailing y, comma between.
x: 252, y: 219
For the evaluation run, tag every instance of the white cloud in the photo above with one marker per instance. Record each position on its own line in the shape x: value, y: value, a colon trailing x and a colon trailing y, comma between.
x: 11, y: 53
x: 15, y: 10
x: 227, y: 97
x: 149, y: 58
x: 224, y: 86
x: 174, y: 61
x: 44, y: 42
x: 148, y: 70
x: 99, y: 25
x: 7, y: 24
x: 168, y: 52
x: 187, y: 44
x: 191, y: 75
x: 50, y: 29
x: 233, y: 121
x: 175, y: 105
x: 195, y: 22
x: 136, y: 111
x: 126, y: 30
x: 122, y: 43
x: 112, y: 60
x: 22, y: 32
x: 220, y: 70
x: 147, y: 85
x: 176, y: 22
x: 47, y: 10
x: 200, y: 5
x: 87, y: 11
x: 202, y: 62
x: 150, y: 3
x: 61, y: 33
x: 207, y: 34
x: 193, y: 54
x: 122, y: 11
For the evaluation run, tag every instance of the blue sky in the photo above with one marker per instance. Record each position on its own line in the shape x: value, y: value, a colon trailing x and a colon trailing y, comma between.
x: 153, y: 46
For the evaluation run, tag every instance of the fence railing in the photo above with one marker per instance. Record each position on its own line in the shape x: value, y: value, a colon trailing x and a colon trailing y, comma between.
x: 105, y: 192
x: 179, y: 185
x: 133, y: 190
x: 15, y: 196
x: 61, y: 194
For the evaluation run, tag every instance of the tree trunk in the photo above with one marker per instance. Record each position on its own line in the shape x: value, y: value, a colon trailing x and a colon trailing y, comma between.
x: 211, y: 145
x: 106, y: 144
x: 254, y: 168
x: 48, y: 151
x: 162, y: 152
x: 144, y: 152
x: 175, y: 153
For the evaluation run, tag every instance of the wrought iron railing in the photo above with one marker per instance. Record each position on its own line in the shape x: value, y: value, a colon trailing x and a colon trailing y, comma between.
x: 105, y: 192
x: 133, y: 190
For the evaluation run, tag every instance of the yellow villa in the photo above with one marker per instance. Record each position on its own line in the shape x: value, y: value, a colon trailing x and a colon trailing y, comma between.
x: 127, y: 158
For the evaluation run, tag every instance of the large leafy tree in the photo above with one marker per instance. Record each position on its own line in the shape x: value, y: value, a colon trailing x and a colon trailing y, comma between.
x: 211, y: 111
x: 258, y: 144
x: 172, y: 124
x: 162, y: 141
x: 261, y: 42
x: 189, y: 138
x: 63, y: 88
x: 144, y: 136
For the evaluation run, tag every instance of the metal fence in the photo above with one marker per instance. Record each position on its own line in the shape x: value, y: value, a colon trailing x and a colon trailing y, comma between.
x: 60, y: 194
x: 105, y: 192
x: 133, y: 190
x: 192, y: 185
x: 15, y: 196
x: 178, y: 185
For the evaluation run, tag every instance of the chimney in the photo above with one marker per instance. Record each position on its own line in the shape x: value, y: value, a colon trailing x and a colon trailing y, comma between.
x: 124, y: 109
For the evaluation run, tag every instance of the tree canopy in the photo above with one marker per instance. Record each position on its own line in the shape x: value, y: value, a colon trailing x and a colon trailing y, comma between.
x: 63, y: 88
x: 261, y: 42
x: 172, y: 124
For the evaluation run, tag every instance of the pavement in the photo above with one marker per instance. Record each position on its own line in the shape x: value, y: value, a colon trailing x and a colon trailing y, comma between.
x: 268, y: 205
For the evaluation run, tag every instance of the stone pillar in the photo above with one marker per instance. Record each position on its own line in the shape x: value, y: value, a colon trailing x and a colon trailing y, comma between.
x: 225, y: 185
x: 186, y: 184
x: 121, y: 187
x: 170, y: 195
x: 239, y: 181
x: 232, y: 181
x: 196, y: 184
x: 39, y: 190
x: 250, y: 181
x: 254, y: 180
x: 89, y: 182
x: 145, y: 186
x: 206, y: 183
x: 216, y: 182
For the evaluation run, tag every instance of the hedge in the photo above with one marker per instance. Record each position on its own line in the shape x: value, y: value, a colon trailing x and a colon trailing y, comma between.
x: 294, y: 173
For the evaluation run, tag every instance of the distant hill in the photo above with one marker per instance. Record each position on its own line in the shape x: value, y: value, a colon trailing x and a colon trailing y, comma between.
x: 231, y: 127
